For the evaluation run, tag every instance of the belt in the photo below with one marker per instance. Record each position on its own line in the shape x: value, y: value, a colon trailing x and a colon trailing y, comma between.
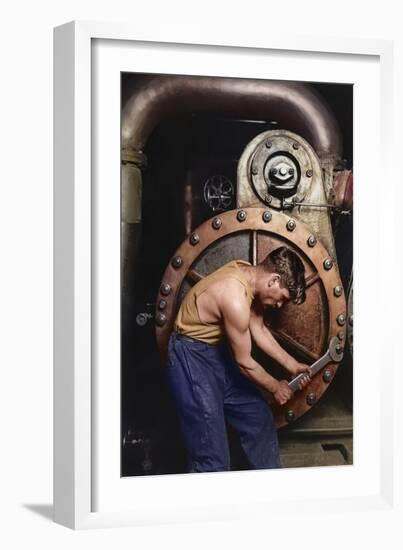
x: 188, y: 338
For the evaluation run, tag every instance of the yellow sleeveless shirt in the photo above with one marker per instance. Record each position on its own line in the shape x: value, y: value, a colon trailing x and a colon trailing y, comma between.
x: 188, y: 321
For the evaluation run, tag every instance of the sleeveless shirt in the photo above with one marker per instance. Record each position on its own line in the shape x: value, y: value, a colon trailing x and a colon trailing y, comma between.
x: 188, y: 322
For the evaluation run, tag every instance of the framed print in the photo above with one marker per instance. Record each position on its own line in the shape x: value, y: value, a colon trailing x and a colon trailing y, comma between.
x: 204, y: 246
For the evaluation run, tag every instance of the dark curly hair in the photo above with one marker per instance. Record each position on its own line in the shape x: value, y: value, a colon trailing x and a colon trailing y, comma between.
x: 288, y: 265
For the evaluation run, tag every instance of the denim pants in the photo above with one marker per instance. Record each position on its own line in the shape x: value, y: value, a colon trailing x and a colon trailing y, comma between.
x: 208, y: 387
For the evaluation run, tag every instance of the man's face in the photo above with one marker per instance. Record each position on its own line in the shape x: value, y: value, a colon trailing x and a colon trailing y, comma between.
x: 271, y: 294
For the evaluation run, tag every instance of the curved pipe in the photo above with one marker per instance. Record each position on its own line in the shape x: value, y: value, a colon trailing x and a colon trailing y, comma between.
x: 295, y: 106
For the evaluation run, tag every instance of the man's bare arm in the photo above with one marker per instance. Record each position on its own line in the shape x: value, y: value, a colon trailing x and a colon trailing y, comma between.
x: 267, y: 343
x: 236, y: 316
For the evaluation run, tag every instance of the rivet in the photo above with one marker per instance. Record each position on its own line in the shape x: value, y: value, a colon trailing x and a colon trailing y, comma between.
x: 268, y: 199
x: 350, y: 320
x: 241, y: 216
x: 177, y: 262
x: 340, y: 335
x: 341, y: 319
x: 268, y: 144
x: 309, y: 173
x: 255, y: 170
x: 165, y: 289
x: 311, y: 241
x: 337, y: 291
x: 194, y: 238
x: 162, y: 304
x: 339, y: 349
x: 216, y: 223
x: 327, y: 376
x: 311, y: 398
x: 291, y: 225
x: 328, y: 264
x: 161, y: 319
x: 295, y: 145
x: 290, y: 415
x: 266, y: 216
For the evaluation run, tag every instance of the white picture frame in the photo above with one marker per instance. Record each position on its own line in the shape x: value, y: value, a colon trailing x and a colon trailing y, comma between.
x: 87, y: 489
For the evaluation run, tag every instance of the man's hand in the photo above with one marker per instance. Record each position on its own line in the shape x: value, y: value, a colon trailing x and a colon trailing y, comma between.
x: 301, y: 368
x: 283, y: 393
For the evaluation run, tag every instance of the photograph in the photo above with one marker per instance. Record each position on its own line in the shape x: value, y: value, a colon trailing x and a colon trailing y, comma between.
x: 236, y: 274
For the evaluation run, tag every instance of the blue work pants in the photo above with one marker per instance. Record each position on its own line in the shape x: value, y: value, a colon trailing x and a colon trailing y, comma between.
x: 208, y: 387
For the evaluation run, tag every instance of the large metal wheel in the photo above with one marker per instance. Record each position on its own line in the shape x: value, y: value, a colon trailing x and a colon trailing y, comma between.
x: 250, y: 234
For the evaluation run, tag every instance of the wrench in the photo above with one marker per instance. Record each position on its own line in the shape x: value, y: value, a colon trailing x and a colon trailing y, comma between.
x: 333, y: 355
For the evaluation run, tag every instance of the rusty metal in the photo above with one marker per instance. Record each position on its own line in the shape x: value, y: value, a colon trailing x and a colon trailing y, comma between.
x: 303, y: 193
x: 194, y: 239
x: 177, y: 262
x: 311, y: 399
x: 216, y: 223
x: 297, y: 106
x: 241, y: 216
x: 333, y: 355
x: 266, y: 217
x: 341, y: 319
x: 306, y: 329
x: 327, y: 376
x: 343, y: 189
x: 161, y: 319
x: 338, y: 291
x: 165, y: 289
x: 218, y: 193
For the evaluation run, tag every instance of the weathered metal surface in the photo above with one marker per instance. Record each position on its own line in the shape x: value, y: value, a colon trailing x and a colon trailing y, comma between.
x: 333, y: 355
x: 131, y: 193
x: 218, y: 193
x: 257, y: 186
x: 297, y: 106
x: 305, y: 329
x: 343, y: 189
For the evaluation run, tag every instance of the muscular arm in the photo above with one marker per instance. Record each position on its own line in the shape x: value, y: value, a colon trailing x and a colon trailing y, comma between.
x: 267, y: 343
x: 236, y: 316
